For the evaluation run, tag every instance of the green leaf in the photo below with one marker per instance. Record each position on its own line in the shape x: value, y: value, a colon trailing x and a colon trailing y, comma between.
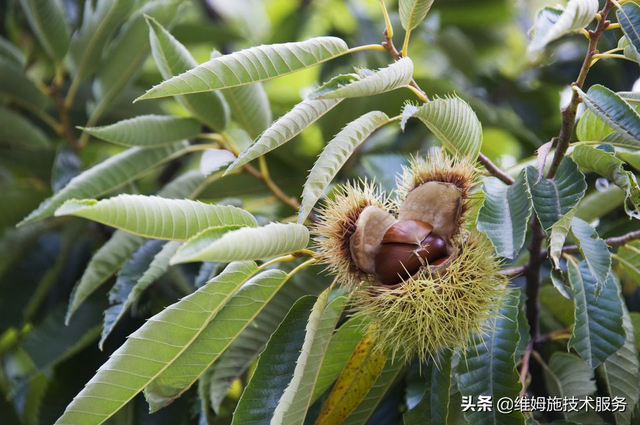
x: 107, y: 176
x: 334, y: 155
x: 11, y: 53
x: 236, y: 315
x: 388, y: 376
x: 172, y: 58
x: 214, y: 160
x: 147, y: 265
x: 551, y: 24
x: 147, y: 130
x: 553, y: 199
x: 412, y: 12
x: 47, y: 20
x: 615, y: 111
x: 433, y: 409
x: 245, y: 348
x: 153, y: 348
x: 504, y: 215
x: 488, y: 367
x: 155, y: 217
x: 622, y: 371
x: 16, y: 86
x: 284, y: 129
x: 567, y: 375
x: 20, y: 133
x: 295, y: 401
x: 250, y: 107
x: 250, y: 65
x: 590, y: 128
x: 594, y: 250
x: 557, y: 238
x: 598, y: 331
x: 98, y: 24
x: 629, y: 49
x: 355, y: 382
x: 612, y: 168
x: 454, y: 123
x: 629, y: 258
x: 629, y: 18
x: 112, y: 255
x: 275, y: 367
x: 398, y: 74
x: 220, y: 244
x: 342, y: 345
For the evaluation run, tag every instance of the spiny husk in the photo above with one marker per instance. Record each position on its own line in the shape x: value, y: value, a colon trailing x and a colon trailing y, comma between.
x: 337, y: 223
x: 430, y: 311
x: 439, y: 167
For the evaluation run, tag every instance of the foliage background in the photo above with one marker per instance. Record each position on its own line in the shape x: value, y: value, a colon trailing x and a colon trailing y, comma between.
x: 475, y: 49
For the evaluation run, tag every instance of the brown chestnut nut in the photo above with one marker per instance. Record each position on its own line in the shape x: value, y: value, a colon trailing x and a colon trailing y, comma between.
x: 396, y: 262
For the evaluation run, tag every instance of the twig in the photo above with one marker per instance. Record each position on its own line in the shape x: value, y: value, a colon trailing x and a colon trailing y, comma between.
x: 569, y: 113
x: 613, y: 241
x: 494, y: 170
x: 524, y: 368
x: 514, y: 271
x: 264, y: 170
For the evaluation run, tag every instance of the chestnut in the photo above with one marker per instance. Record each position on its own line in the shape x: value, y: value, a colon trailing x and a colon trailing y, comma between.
x: 407, y: 246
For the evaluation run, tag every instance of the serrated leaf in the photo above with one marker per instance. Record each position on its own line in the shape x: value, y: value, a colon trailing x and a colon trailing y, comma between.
x: 250, y: 107
x: 112, y: 255
x: 590, y: 128
x: 249, y: 66
x: 98, y: 24
x: 214, y: 160
x: 245, y: 348
x: 16, y: 86
x: 236, y: 315
x: 553, y: 199
x: 598, y: 331
x: 551, y: 24
x: 11, y: 53
x: 629, y: 258
x: 20, y: 133
x: 342, y: 345
x: 147, y: 130
x: 433, y: 409
x: 156, y: 217
x: 284, y: 129
x: 334, y: 155
x: 66, y: 165
x: 388, y: 376
x: 567, y: 375
x: 398, y: 74
x: 48, y: 22
x: 505, y: 213
x: 488, y: 367
x: 629, y: 49
x: 412, y: 12
x: 274, y: 368
x: 147, y: 264
x: 615, y: 111
x: 594, y: 250
x: 622, y: 372
x: 295, y: 401
x: 354, y: 383
x: 454, y: 123
x: 107, y: 176
x: 629, y: 18
x: 172, y: 58
x: 136, y: 364
x: 612, y: 168
x: 243, y: 244
x: 338, y: 81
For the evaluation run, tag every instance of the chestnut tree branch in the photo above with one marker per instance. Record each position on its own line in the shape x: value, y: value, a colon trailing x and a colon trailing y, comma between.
x: 494, y: 170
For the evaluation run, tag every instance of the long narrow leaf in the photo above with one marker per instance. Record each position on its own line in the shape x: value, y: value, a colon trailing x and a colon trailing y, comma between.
x: 334, y: 155
x: 47, y: 20
x: 150, y: 350
x: 412, y: 12
x: 107, y: 176
x: 284, y: 129
x: 155, y: 217
x: 249, y: 66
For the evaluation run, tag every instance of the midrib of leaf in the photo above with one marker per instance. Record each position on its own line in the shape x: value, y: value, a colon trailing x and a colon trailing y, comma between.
x: 618, y: 128
x: 633, y: 28
x: 625, y: 262
x: 36, y: 11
